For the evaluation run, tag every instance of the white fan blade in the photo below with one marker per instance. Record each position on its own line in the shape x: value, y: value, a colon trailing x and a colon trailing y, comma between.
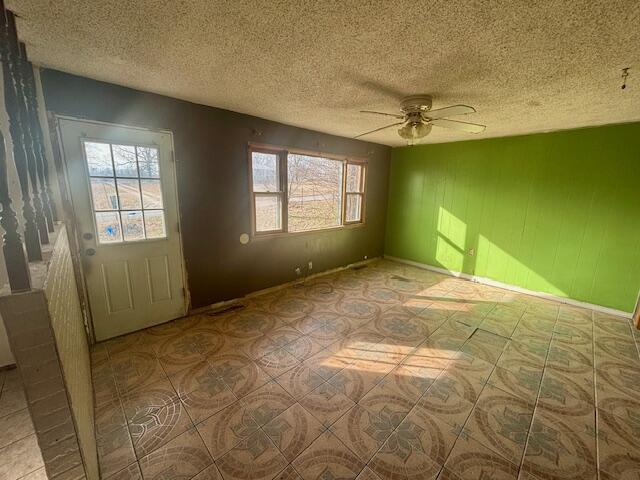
x: 378, y: 129
x: 448, y: 111
x: 396, y: 115
x: 461, y: 126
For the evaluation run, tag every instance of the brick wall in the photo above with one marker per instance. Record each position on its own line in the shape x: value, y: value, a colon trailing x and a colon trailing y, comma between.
x: 67, y: 322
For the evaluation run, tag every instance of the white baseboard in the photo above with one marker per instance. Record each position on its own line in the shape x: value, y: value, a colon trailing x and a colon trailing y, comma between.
x: 513, y: 288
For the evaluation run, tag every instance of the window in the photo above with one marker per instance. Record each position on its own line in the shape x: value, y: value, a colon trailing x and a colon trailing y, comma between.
x: 354, y: 193
x: 125, y: 192
x: 300, y: 192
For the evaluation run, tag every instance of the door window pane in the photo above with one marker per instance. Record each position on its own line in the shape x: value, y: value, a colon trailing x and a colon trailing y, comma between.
x: 148, y: 158
x: 265, y: 172
x: 126, y: 192
x: 108, y: 226
x: 124, y: 159
x: 103, y: 191
x: 315, y: 192
x: 132, y: 225
x: 98, y: 159
x: 354, y: 207
x: 154, y: 223
x: 129, y: 193
x: 151, y: 193
x: 268, y: 210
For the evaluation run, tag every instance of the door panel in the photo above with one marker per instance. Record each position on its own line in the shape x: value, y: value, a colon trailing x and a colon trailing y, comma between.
x: 123, y: 190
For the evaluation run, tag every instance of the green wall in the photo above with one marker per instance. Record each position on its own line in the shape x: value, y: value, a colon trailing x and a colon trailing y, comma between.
x: 554, y: 212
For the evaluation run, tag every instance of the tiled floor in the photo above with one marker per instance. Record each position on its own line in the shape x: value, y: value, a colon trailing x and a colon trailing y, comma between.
x: 386, y: 372
x: 20, y: 456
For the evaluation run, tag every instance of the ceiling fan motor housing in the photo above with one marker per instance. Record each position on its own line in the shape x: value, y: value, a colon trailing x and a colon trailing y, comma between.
x: 416, y: 104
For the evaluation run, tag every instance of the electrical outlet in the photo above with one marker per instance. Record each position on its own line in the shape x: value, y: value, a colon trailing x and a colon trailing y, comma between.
x: 472, y: 252
x: 310, y: 265
x: 298, y: 271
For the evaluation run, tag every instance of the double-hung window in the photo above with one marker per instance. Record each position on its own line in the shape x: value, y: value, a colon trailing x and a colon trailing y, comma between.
x: 296, y: 192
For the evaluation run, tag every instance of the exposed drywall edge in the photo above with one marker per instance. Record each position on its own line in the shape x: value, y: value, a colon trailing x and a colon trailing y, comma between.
x: 264, y: 291
x: 513, y: 288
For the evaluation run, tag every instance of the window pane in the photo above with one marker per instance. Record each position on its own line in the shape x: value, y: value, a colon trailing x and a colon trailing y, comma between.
x: 148, y: 162
x: 124, y: 159
x: 98, y: 158
x: 268, y: 213
x: 315, y: 192
x: 265, y: 172
x: 354, y: 178
x: 108, y: 225
x: 132, y: 225
x: 103, y: 191
x: 129, y: 194
x: 354, y: 208
x: 151, y: 193
x: 154, y: 223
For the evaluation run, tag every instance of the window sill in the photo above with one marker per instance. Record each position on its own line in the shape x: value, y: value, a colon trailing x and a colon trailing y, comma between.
x: 267, y: 235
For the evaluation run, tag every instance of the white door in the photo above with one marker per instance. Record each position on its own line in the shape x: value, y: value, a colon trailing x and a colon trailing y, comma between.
x: 123, y: 189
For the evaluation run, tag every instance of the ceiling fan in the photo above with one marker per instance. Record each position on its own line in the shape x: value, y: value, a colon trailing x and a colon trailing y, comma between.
x: 417, y: 118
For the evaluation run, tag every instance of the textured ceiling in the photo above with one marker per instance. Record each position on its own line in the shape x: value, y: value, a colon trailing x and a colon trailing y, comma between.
x: 526, y: 66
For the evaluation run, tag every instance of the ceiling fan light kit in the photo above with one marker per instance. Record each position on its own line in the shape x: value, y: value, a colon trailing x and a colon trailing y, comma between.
x: 417, y: 118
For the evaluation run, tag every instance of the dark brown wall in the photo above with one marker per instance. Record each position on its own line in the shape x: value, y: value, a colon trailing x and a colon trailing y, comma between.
x: 211, y: 155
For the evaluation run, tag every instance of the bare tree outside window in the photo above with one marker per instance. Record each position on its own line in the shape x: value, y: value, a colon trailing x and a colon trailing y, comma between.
x: 314, y: 193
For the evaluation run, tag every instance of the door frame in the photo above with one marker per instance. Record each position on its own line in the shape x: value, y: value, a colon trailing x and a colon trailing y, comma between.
x: 71, y: 210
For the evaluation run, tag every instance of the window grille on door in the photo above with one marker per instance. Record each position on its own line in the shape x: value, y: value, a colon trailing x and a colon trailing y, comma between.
x: 126, y: 192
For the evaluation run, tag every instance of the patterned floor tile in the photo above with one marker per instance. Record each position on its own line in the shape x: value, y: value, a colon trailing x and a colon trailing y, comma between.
x: 617, y: 448
x: 132, y: 472
x: 367, y: 474
x: 355, y: 383
x: 362, y: 431
x: 562, y: 394
x: 225, y: 364
x: 153, y: 425
x: 486, y: 346
x: 402, y: 456
x: 115, y: 451
x: 182, y: 458
x: 303, y: 348
x: 328, y: 458
x: 521, y: 380
x: 209, y: 473
x: 254, y: 458
x: 224, y: 430
x: 299, y: 381
x: 501, y: 422
x: 560, y: 447
x: 410, y: 382
x: 245, y: 380
x: 293, y: 430
x: 135, y: 371
x: 107, y: 417
x: 414, y: 348
x: 387, y: 404
x: 267, y: 402
x: 326, y: 403
x: 471, y: 460
x: 445, y: 405
x: 277, y: 362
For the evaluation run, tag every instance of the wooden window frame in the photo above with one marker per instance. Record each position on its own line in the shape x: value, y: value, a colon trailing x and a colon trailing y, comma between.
x: 361, y: 192
x: 283, y: 154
